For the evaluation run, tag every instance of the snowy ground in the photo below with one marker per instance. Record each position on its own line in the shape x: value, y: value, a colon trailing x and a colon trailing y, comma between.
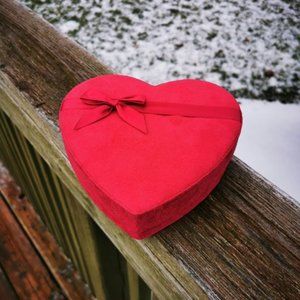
x: 249, y: 47
x: 270, y: 142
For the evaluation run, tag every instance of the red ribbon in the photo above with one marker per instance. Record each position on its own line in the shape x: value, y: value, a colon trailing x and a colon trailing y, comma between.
x: 131, y: 109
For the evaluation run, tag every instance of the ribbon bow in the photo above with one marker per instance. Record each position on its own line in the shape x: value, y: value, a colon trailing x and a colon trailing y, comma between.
x: 132, y: 108
x: 103, y: 105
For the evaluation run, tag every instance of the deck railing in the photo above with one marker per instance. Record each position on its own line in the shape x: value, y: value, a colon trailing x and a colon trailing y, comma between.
x: 240, y: 243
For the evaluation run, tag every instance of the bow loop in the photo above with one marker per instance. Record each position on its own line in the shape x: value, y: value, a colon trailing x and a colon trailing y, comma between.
x: 134, y: 99
x: 102, y: 105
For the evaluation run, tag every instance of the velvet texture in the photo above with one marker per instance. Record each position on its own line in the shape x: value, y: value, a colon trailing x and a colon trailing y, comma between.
x: 146, y: 181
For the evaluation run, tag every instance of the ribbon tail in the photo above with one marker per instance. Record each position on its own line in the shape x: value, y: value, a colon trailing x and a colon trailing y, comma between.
x: 132, y: 117
x: 91, y: 116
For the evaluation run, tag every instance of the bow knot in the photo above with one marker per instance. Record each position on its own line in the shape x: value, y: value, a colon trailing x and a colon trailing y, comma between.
x: 101, y: 105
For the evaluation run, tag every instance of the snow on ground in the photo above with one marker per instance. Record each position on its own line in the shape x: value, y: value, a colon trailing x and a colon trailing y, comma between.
x: 270, y: 142
x: 249, y: 47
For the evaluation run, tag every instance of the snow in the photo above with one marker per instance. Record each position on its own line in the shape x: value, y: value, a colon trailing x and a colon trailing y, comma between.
x: 270, y: 142
x: 249, y: 47
x: 69, y: 26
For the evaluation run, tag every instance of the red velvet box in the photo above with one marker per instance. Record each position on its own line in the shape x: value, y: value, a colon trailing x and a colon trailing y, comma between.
x: 147, y: 155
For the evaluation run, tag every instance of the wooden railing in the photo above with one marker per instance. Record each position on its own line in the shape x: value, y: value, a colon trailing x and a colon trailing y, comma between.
x: 241, y: 242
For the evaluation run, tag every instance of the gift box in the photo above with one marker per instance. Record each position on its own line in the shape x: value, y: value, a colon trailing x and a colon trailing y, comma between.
x: 147, y: 155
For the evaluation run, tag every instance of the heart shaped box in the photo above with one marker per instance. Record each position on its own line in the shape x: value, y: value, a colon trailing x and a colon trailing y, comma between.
x: 146, y: 181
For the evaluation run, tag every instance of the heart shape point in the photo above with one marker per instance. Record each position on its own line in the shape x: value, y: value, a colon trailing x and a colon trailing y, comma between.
x: 145, y: 166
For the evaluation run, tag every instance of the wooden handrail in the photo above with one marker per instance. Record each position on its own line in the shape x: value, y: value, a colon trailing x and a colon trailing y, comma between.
x: 241, y: 242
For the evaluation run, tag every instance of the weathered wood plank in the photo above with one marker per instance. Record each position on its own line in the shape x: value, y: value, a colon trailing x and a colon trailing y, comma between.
x: 243, y: 241
x: 7, y: 291
x: 58, y: 264
x: 24, y: 268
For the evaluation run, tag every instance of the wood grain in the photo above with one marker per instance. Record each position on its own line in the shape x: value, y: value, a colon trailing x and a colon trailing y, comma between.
x: 242, y: 242
x: 21, y: 262
x: 7, y: 291
x: 58, y: 264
